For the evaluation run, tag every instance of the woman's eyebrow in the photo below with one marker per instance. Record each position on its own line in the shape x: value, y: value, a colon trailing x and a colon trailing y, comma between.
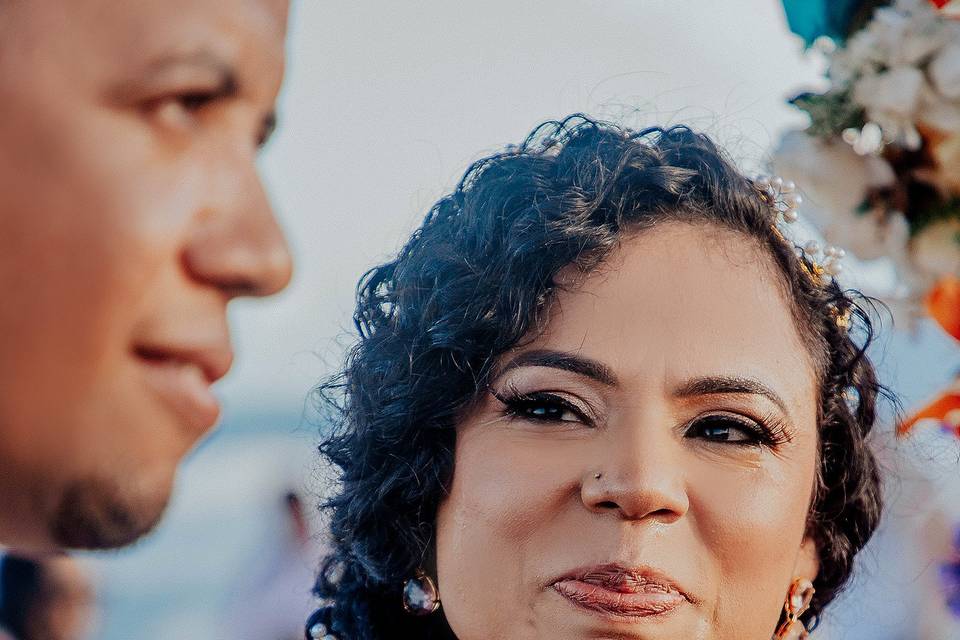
x: 726, y: 385
x: 564, y: 361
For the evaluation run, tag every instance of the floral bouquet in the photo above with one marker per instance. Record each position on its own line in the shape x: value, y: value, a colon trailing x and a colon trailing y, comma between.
x: 880, y: 166
x: 880, y: 159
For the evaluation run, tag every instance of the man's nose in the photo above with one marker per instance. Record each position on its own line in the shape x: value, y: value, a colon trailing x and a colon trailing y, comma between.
x: 236, y: 243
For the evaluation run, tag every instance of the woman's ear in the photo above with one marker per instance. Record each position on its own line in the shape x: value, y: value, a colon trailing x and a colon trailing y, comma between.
x: 808, y: 560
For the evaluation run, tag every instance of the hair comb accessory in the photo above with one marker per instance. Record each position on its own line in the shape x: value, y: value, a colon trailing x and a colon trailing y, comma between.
x: 783, y: 198
x: 781, y: 195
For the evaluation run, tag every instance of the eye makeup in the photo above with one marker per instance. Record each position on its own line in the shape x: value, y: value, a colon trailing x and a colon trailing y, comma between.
x: 544, y: 406
x: 715, y: 427
x: 730, y: 428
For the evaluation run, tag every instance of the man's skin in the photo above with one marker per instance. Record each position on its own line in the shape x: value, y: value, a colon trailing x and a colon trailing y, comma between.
x: 131, y: 213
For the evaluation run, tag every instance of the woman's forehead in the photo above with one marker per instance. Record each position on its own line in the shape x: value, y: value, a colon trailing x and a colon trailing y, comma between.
x: 682, y: 301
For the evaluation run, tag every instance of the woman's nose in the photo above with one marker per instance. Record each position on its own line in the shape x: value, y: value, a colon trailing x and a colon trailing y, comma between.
x: 236, y: 244
x: 640, y: 476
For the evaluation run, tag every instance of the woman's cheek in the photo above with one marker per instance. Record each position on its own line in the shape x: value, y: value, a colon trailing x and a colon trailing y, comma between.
x: 504, y: 479
x: 753, y: 521
x: 505, y: 486
x: 764, y: 504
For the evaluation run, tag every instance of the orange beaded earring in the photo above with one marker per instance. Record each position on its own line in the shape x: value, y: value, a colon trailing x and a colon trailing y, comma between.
x: 798, y: 601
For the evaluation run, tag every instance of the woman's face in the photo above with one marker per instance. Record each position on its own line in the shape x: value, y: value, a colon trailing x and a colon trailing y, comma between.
x: 131, y: 212
x: 644, y: 469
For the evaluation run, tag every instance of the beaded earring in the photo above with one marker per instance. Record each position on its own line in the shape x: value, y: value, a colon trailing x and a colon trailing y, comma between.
x: 797, y: 602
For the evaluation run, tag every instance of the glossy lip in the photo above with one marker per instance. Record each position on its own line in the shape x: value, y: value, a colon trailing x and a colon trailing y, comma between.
x: 182, y: 376
x: 620, y: 591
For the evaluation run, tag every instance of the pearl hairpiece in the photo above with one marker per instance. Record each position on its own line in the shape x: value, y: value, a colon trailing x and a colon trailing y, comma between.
x: 825, y: 262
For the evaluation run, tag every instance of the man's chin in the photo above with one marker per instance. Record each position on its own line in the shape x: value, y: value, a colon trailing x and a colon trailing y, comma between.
x: 99, y: 514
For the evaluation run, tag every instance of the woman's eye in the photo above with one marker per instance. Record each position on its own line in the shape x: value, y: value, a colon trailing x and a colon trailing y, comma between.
x: 724, y: 429
x: 543, y: 407
x: 547, y: 411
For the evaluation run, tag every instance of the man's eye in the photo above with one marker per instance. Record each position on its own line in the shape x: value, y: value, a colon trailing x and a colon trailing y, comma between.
x: 181, y: 111
x: 718, y: 428
x: 196, y: 100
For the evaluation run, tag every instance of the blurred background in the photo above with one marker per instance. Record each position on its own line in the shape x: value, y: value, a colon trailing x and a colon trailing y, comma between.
x: 385, y: 104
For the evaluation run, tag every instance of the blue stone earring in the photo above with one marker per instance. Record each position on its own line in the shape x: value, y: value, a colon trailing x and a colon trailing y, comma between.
x: 420, y: 595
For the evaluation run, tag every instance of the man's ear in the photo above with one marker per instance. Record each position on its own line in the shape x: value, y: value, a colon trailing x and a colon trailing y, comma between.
x: 808, y: 560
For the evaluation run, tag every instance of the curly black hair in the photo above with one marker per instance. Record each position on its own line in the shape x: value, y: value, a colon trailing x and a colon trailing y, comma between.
x: 476, y: 279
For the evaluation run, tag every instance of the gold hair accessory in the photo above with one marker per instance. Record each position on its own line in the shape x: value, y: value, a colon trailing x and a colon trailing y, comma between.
x: 824, y: 262
x: 841, y: 317
x: 783, y: 198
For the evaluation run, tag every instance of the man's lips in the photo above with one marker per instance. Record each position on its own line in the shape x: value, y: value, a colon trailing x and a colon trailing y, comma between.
x: 621, y: 591
x: 213, y: 361
x: 182, y: 377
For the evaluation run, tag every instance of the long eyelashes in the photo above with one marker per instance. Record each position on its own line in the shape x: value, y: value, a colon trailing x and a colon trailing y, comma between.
x: 541, y: 406
x: 771, y: 431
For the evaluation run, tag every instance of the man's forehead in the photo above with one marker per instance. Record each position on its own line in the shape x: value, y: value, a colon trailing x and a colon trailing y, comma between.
x: 144, y: 21
x: 245, y: 18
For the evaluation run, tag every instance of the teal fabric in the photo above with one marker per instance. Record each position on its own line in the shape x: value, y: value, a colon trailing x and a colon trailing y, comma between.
x: 811, y: 19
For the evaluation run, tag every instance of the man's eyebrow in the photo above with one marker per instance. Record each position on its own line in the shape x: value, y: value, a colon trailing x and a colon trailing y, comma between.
x: 227, y: 79
x: 564, y: 361
x: 197, y: 58
x: 728, y: 385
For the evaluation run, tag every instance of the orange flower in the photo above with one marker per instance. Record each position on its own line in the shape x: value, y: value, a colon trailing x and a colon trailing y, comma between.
x: 943, y: 304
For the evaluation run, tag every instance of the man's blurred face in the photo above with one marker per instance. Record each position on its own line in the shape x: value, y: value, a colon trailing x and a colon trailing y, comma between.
x: 131, y: 213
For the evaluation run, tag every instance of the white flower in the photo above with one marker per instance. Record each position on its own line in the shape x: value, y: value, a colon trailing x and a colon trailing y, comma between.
x: 834, y: 177
x: 862, y: 54
x: 905, y: 35
x: 866, y: 140
x: 938, y: 112
x: 896, y: 90
x: 870, y: 235
x: 837, y: 179
x: 935, y: 251
x: 891, y: 99
x: 945, y: 71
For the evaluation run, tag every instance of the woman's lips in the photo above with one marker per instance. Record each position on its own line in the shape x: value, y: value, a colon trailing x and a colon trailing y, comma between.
x: 620, y: 591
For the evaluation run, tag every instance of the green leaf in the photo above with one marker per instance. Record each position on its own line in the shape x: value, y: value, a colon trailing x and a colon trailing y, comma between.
x: 830, y: 113
x: 920, y: 219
